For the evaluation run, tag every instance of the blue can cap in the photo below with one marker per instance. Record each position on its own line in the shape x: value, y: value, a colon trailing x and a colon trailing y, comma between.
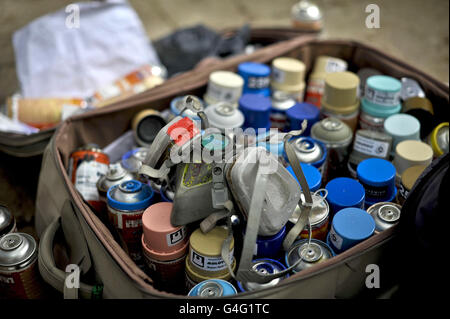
x: 253, y: 69
x: 312, y: 175
x: 376, y: 172
x: 353, y: 223
x: 256, y: 109
x: 345, y: 192
x: 226, y: 288
x: 130, y: 195
x: 300, y: 112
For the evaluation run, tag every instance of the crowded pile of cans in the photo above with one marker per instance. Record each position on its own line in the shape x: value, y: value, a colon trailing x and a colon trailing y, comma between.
x: 368, y: 138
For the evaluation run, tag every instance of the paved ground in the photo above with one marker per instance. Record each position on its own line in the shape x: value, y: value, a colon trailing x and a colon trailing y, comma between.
x: 413, y: 30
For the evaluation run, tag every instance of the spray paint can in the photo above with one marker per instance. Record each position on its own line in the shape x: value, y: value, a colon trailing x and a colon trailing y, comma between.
x: 205, y: 260
x: 256, y: 110
x: 402, y: 127
x: 410, y: 153
x: 410, y: 88
x: 438, y: 139
x: 407, y: 181
x: 86, y: 166
x: 164, y: 246
x: 19, y: 274
x: 385, y: 215
x: 349, y: 227
x: 381, y: 100
x: 368, y: 144
x: 337, y: 136
x: 316, y: 82
x: 224, y: 86
x: 310, y: 151
x: 312, y: 175
x: 126, y: 204
x: 340, y: 97
x: 115, y: 175
x: 213, y: 288
x: 422, y: 109
x: 300, y: 112
x: 312, y: 254
x: 378, y: 178
x: 263, y: 266
x: 132, y: 160
x: 288, y: 75
x: 319, y: 218
x: 146, y: 125
x: 344, y: 192
x: 282, y: 102
x: 269, y: 246
x: 306, y: 16
x: 256, y: 78
x: 7, y: 221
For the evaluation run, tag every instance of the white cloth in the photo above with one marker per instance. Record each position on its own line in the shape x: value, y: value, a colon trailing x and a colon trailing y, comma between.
x: 54, y: 60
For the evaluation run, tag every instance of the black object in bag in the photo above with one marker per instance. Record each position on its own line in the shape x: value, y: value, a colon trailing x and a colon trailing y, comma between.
x: 421, y: 233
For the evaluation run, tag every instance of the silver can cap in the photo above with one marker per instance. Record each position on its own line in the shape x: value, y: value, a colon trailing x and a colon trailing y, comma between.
x: 193, y: 104
x: 385, y: 214
x: 306, y: 11
x: 307, y: 151
x: 16, y: 249
x: 442, y: 138
x: 282, y: 100
x: 210, y: 289
x: 115, y: 175
x: 332, y: 132
x: 263, y: 267
x: 223, y: 115
x: 311, y: 254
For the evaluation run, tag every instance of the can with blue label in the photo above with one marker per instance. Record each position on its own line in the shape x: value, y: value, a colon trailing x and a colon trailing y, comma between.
x: 269, y: 246
x: 310, y: 151
x: 349, y: 227
x: 311, y: 254
x: 378, y: 178
x: 256, y: 110
x: 281, y: 103
x: 344, y: 192
x: 300, y: 112
x: 256, y: 78
x: 167, y: 195
x: 213, y: 288
x: 312, y: 175
x: 263, y: 266
x: 126, y: 204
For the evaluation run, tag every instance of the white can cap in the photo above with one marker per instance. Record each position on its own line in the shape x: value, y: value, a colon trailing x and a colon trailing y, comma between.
x: 224, y: 86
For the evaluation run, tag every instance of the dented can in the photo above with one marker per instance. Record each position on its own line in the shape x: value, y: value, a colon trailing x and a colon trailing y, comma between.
x: 7, y: 221
x: 19, y: 274
x: 86, y: 166
x: 312, y: 254
x: 385, y: 215
x: 213, y: 288
x: 263, y: 266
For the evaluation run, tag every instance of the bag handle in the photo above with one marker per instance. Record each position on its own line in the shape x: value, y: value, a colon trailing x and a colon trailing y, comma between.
x: 51, y: 274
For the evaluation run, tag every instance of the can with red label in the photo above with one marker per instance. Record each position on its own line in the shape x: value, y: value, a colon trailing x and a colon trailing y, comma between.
x: 126, y: 203
x: 19, y: 274
x: 7, y: 221
x: 86, y: 165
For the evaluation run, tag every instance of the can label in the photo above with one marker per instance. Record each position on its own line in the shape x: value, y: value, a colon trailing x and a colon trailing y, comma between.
x: 221, y: 93
x: 314, y: 92
x: 335, y: 66
x: 335, y: 239
x: 176, y: 237
x: 278, y: 75
x: 87, y: 174
x: 403, y: 192
x: 22, y: 284
x: 382, y: 98
x: 373, y: 192
x: 166, y: 272
x: 319, y: 231
x: 258, y: 82
x: 371, y: 147
x: 278, y: 120
x: 208, y: 263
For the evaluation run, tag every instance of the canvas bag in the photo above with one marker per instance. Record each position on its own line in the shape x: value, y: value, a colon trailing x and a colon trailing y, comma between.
x: 342, y: 276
